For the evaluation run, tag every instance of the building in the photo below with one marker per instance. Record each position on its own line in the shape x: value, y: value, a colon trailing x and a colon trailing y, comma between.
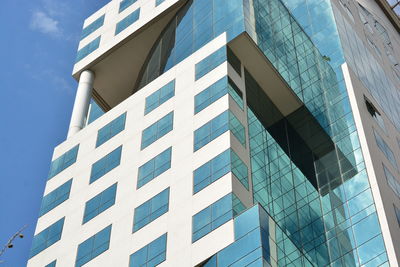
x: 234, y: 133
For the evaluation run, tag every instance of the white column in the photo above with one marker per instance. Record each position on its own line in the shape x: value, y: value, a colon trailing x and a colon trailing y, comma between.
x: 82, y: 101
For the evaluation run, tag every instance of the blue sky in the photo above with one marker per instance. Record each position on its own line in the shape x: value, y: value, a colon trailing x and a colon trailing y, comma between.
x: 37, y: 51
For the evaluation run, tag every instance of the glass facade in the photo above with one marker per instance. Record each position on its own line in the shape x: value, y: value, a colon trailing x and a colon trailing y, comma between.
x: 151, y: 210
x: 127, y: 21
x: 157, y: 130
x: 154, y: 167
x: 215, y: 215
x: 55, y: 197
x: 63, y: 162
x: 110, y: 130
x: 159, y: 97
x: 92, y: 27
x: 93, y: 247
x: 105, y: 164
x: 197, y: 23
x: 258, y: 242
x: 152, y: 254
x: 99, y: 203
x: 46, y: 238
x: 87, y: 49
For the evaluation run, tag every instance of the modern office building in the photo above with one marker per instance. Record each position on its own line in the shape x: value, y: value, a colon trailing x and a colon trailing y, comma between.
x: 230, y: 133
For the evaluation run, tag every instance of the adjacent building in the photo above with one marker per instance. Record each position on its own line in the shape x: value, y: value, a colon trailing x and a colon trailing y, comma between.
x: 230, y: 133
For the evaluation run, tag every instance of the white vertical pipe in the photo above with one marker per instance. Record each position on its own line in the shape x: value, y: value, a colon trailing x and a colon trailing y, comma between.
x: 82, y: 101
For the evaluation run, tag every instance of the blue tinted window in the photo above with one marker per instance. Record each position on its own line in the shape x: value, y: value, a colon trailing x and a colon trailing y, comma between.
x: 211, y: 171
x: 158, y: 2
x: 110, y: 130
x: 216, y: 127
x: 55, y: 198
x: 210, y: 62
x: 239, y: 169
x: 127, y: 21
x: 100, y: 203
x: 88, y: 49
x: 63, y: 162
x: 237, y: 128
x: 210, y: 95
x: 212, y: 217
x: 46, y: 238
x: 151, y: 210
x: 93, y: 246
x: 397, y: 211
x: 150, y: 255
x: 235, y: 93
x: 154, y: 167
x: 159, y: 97
x: 157, y: 130
x: 211, y: 130
x: 384, y: 147
x: 95, y: 112
x: 92, y: 27
x: 124, y: 4
x: 52, y: 264
x: 215, y: 92
x: 392, y: 181
x: 105, y: 164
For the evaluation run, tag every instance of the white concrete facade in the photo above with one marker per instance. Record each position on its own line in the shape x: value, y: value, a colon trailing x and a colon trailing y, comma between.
x: 182, y: 203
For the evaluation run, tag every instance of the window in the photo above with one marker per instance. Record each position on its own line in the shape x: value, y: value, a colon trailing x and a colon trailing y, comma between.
x: 88, y: 49
x: 63, y: 162
x: 93, y: 247
x: 210, y: 62
x: 100, y: 203
x: 214, y: 216
x: 52, y: 264
x: 105, y: 164
x: 210, y: 95
x: 127, y: 21
x: 154, y: 167
x: 384, y: 147
x: 46, y: 238
x: 216, y: 127
x: 373, y: 111
x: 397, y: 211
x: 158, y: 2
x: 237, y: 129
x: 124, y: 4
x: 55, y: 198
x: 92, y: 27
x: 239, y: 169
x: 95, y: 112
x: 235, y: 93
x: 392, y: 181
x: 150, y: 255
x: 151, y: 210
x: 234, y: 62
x: 215, y: 92
x: 110, y: 130
x: 159, y: 97
x: 211, y: 130
x: 157, y: 130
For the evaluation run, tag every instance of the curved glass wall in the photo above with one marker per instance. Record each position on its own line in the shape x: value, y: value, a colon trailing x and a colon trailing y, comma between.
x: 197, y: 23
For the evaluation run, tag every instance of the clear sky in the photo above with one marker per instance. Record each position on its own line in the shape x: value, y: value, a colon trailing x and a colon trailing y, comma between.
x: 38, y: 45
